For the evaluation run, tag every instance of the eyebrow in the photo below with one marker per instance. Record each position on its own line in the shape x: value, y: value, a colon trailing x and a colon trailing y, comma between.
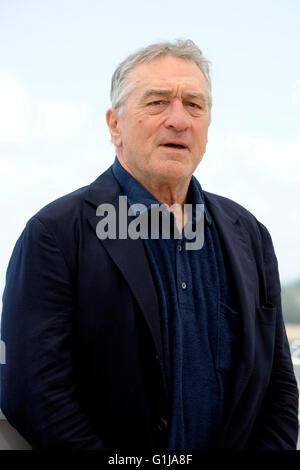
x: 199, y: 96
x: 167, y: 92
x: 156, y: 92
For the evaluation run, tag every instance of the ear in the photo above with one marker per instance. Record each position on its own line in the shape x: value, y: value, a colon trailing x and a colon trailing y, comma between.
x: 113, y: 122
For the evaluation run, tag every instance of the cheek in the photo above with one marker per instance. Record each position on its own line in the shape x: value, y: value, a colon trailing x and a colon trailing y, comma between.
x: 202, y: 135
x: 145, y: 132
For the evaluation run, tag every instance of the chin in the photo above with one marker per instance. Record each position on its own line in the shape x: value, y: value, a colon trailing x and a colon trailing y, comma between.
x: 174, y: 170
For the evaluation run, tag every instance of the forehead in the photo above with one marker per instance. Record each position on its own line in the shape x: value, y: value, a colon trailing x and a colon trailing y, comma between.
x: 169, y: 72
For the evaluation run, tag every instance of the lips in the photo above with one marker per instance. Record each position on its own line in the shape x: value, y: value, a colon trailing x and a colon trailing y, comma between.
x: 175, y: 144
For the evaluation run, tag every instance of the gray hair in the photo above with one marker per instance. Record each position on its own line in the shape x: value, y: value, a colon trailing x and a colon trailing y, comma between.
x: 121, y: 86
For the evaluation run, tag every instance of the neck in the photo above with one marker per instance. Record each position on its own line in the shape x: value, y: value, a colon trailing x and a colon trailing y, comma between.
x: 173, y: 193
x: 168, y: 192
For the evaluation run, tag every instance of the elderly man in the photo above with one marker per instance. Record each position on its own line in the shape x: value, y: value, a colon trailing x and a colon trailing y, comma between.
x: 116, y: 341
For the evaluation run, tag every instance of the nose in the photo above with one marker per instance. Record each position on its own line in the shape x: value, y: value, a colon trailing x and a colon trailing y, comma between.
x: 178, y: 118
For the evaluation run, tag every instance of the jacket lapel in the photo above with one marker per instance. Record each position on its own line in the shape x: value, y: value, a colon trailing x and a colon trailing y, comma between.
x: 130, y: 257
x: 243, y: 271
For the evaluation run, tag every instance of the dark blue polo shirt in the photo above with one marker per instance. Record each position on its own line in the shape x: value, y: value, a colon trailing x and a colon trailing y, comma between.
x: 199, y: 328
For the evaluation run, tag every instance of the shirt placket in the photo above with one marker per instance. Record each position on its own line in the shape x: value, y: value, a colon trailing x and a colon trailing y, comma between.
x: 183, y: 276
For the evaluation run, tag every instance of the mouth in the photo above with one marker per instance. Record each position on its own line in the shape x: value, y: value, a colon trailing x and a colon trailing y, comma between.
x: 175, y: 145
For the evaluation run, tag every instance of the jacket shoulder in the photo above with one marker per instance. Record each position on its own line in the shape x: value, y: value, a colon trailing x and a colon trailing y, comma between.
x: 235, y: 212
x: 65, y: 219
x: 63, y: 207
x: 231, y: 208
x: 71, y: 206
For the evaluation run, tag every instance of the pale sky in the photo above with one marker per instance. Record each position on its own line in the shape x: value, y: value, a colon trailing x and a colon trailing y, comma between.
x: 56, y: 62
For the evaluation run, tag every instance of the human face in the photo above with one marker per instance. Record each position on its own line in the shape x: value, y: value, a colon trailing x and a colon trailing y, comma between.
x: 161, y: 134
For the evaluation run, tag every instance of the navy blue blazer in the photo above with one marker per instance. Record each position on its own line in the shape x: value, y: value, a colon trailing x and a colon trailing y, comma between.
x: 81, y: 324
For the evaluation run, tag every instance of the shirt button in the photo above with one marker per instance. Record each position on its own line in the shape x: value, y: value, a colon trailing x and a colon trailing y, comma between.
x: 183, y: 285
x: 162, y: 425
x: 179, y: 248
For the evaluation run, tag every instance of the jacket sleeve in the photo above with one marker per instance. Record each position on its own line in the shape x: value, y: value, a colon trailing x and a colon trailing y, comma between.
x: 38, y: 391
x: 276, y: 426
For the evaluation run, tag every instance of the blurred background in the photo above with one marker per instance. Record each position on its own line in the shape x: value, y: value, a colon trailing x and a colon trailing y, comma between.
x: 56, y: 62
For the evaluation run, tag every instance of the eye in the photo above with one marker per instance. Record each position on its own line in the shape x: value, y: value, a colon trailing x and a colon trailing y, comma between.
x: 157, y: 103
x: 157, y: 106
x: 195, y: 105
